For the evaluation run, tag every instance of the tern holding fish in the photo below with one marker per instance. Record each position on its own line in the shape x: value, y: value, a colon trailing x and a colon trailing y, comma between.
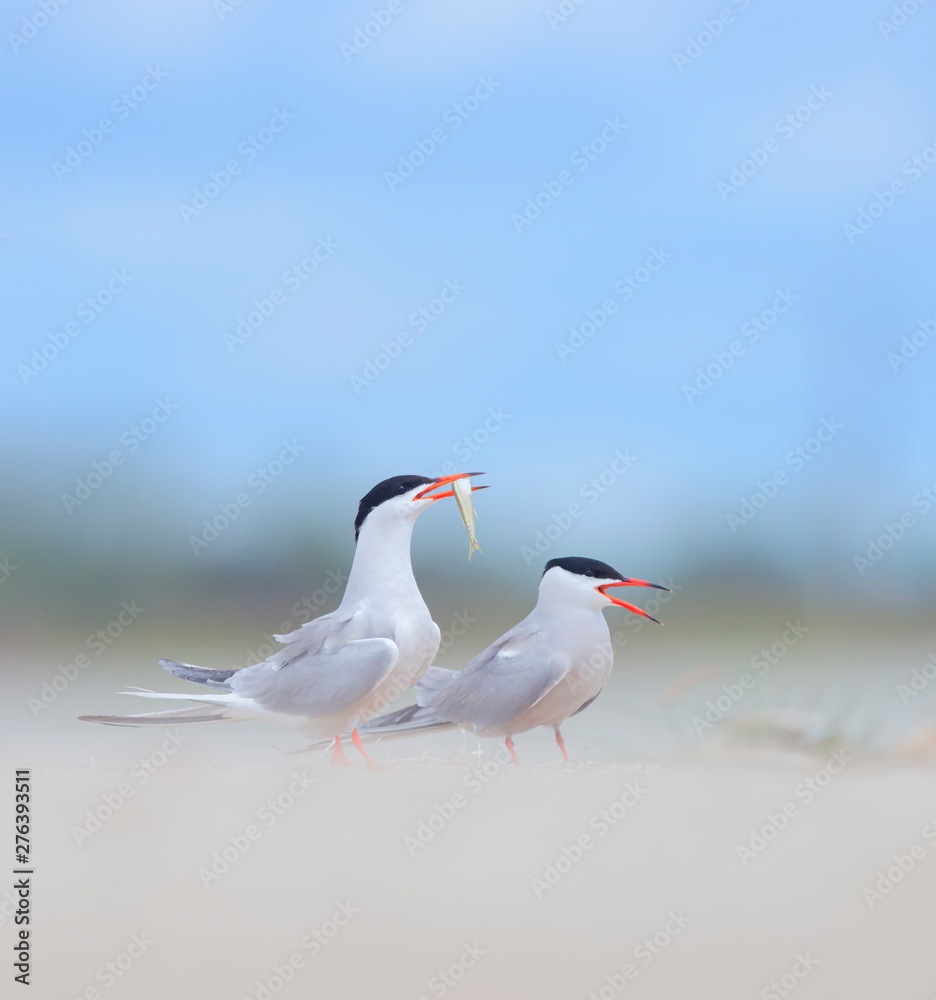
x: 544, y: 670
x: 341, y: 669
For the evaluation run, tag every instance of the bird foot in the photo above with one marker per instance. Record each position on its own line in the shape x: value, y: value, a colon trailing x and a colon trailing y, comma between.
x: 339, y: 757
x: 371, y: 763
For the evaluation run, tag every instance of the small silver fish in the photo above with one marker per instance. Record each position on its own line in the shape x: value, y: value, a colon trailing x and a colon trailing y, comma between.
x: 462, y: 490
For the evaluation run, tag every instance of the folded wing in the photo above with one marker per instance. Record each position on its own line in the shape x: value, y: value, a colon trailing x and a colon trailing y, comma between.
x: 500, y: 684
x: 321, y: 683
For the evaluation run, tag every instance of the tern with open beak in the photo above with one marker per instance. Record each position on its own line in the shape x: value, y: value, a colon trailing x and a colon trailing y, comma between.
x: 343, y: 668
x: 544, y: 670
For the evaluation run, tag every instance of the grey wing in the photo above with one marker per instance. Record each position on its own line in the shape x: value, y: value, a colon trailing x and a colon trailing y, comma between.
x: 331, y: 629
x: 321, y: 683
x: 431, y: 683
x: 498, y: 686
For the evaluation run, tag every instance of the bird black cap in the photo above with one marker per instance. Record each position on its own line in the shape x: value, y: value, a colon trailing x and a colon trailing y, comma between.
x: 584, y: 567
x: 393, y: 487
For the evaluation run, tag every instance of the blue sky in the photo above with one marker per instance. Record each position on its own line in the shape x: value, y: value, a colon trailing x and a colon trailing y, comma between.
x: 219, y: 75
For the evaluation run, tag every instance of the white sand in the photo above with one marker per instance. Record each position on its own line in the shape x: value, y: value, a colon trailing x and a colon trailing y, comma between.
x: 341, y: 840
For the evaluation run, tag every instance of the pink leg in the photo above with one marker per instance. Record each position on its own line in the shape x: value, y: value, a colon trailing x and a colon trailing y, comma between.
x: 561, y: 743
x: 356, y: 740
x: 511, y: 751
x: 338, y: 755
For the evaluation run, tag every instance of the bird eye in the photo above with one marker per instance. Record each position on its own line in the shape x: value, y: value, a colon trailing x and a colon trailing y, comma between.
x: 589, y: 572
x: 401, y: 488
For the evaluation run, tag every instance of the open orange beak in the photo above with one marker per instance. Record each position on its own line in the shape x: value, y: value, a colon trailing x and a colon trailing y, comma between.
x: 444, y: 481
x: 603, y: 590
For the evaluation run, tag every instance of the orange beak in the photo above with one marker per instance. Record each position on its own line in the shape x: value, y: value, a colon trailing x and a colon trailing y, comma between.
x: 603, y: 590
x: 444, y: 481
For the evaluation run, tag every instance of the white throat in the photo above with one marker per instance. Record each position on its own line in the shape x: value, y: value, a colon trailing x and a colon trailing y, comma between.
x: 382, y: 569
